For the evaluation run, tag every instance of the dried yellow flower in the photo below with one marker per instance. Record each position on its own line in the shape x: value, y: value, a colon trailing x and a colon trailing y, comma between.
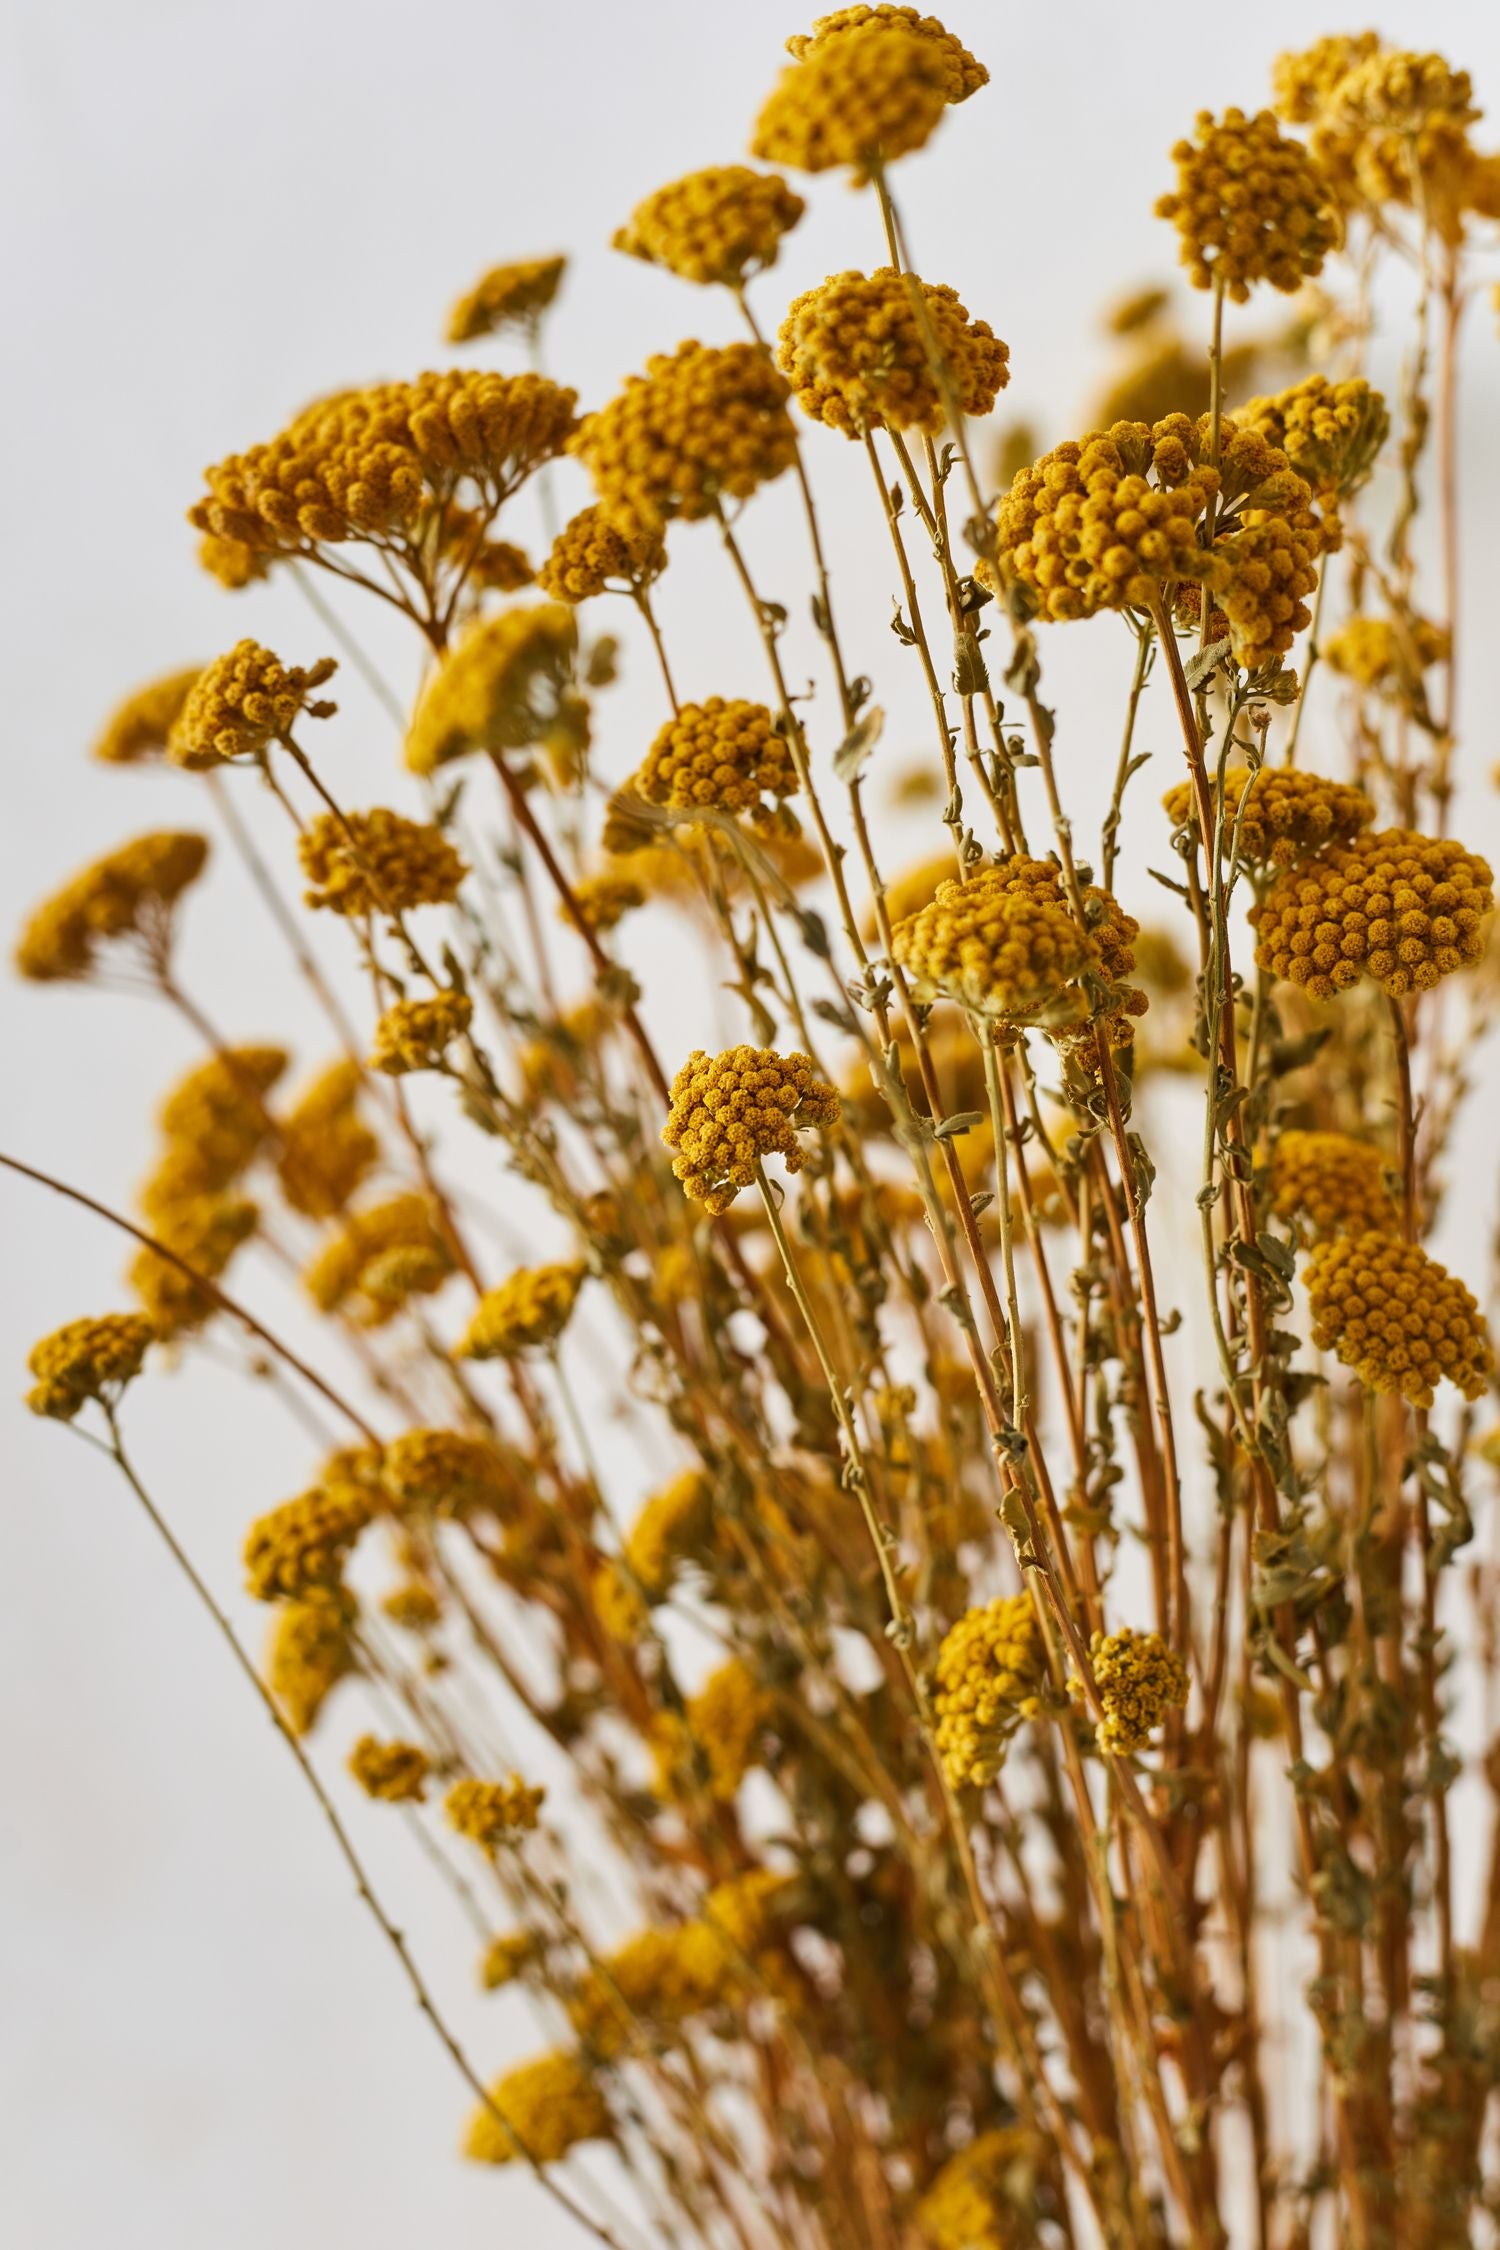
x: 549, y: 2105
x: 731, y: 756
x: 1398, y: 1318
x: 1290, y: 813
x: 965, y: 76
x: 379, y: 1257
x: 1387, y: 655
x: 508, y: 1956
x: 857, y: 357
x: 718, y: 1737
x: 299, y: 1548
x: 413, y: 1606
x: 720, y: 225
x: 393, y: 1771
x: 491, y: 1813
x: 378, y: 862
x: 448, y: 1472
x: 1139, y: 1680
x: 604, y: 898
x: 87, y: 1359
x: 204, y: 1230
x: 591, y: 555
x: 1397, y: 906
x: 415, y: 1034
x: 872, y: 94
x: 242, y: 703
x: 983, y: 2198
x: 128, y: 894
x: 989, y: 1676
x: 1330, y: 1184
x: 309, y: 1651
x: 730, y: 1110
x: 510, y: 296
x: 1086, y: 530
x: 526, y: 1313
x: 703, y: 424
x: 503, y: 686
x: 673, y: 1526
x: 324, y: 1147
x: 1250, y: 205
x: 1330, y: 432
x: 137, y: 729
x: 1006, y: 944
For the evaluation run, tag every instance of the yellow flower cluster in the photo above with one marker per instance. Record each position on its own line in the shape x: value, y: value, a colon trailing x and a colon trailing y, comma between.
x: 989, y: 1675
x: 1250, y: 205
x: 412, y: 1605
x: 730, y: 1110
x: 1403, y: 908
x: 87, y: 1359
x: 203, y: 1230
x: 299, y: 1548
x: 1390, y: 127
x: 592, y: 555
x: 214, y: 1124
x: 242, y: 703
x: 965, y: 75
x: 499, y: 688
x: 1085, y: 529
x: 511, y: 296
x: 508, y: 1956
x: 705, y: 423
x: 1380, y: 653
x: 728, y: 755
x: 137, y: 729
x: 673, y: 1526
x: 378, y: 1258
x: 129, y: 893
x: 309, y: 1651
x: 526, y: 1313
x: 363, y: 463
x: 604, y: 898
x: 1330, y: 432
x: 1397, y: 1317
x: 447, y: 1472
x: 663, y: 1977
x: 394, y: 1771
x: 1289, y: 814
x: 717, y: 1737
x: 1331, y: 1183
x: 549, y: 2105
x: 324, y: 1146
x: 975, y: 2202
x: 857, y: 354
x: 863, y: 98
x: 1270, y: 557
x: 415, y: 1034
x: 377, y: 862
x: 1007, y: 945
x: 1139, y: 1680
x: 490, y: 1813
x: 720, y: 225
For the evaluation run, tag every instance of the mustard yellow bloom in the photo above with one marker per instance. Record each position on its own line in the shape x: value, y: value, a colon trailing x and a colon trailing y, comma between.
x: 591, y: 555
x: 137, y: 729
x: 1402, y: 908
x: 525, y: 1313
x: 862, y: 99
x: 548, y: 2106
x: 416, y: 1034
x: 731, y: 756
x: 703, y: 424
x: 309, y: 1651
x: 1331, y: 1184
x: 395, y: 1772
x: 989, y: 1676
x: 509, y: 296
x: 964, y: 75
x: 720, y: 225
x: 491, y: 1813
x: 1139, y: 1680
x: 87, y: 1359
x: 1250, y: 205
x: 378, y: 862
x: 242, y: 703
x: 1400, y: 1320
x: 130, y: 893
x: 1290, y: 813
x: 503, y: 686
x: 857, y: 354
x: 729, y: 1111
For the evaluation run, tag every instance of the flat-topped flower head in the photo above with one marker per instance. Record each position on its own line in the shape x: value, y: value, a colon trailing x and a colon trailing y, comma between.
x: 989, y: 1676
x: 394, y: 1772
x: 1330, y: 432
x: 491, y: 1813
x: 300, y: 1548
x: 416, y: 1034
x: 243, y: 703
x: 1250, y: 205
x: 380, y: 1257
x: 504, y: 686
x: 323, y: 1146
x: 857, y: 355
x: 675, y: 1524
x: 508, y: 296
x: 1400, y: 1320
x: 1105, y: 521
x: 726, y: 756
x: 719, y: 225
x: 1139, y: 1680
x: 861, y: 99
x: 87, y: 1359
x: 1289, y: 813
x: 128, y: 895
x: 1326, y: 1184
x: 730, y: 1111
x: 1387, y: 654
x: 447, y: 1472
x: 528, y: 1312
x: 548, y: 2106
x: 137, y: 729
x: 1397, y: 906
x: 591, y: 555
x: 309, y: 1651
x: 964, y: 74
x: 717, y: 1738
x: 704, y: 424
x: 377, y: 862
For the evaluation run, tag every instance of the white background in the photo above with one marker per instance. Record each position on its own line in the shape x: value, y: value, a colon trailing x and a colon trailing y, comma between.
x: 214, y: 213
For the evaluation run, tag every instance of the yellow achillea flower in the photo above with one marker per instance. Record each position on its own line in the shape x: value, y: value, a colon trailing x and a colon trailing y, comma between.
x: 965, y: 75
x: 324, y: 1147
x: 490, y: 1813
x: 378, y: 862
x: 1397, y: 1317
x: 855, y: 354
x: 379, y: 1257
x: 662, y: 1978
x: 87, y: 1359
x: 299, y: 1548
x: 1386, y: 655
x: 1389, y: 127
x: 393, y: 1771
x: 1139, y: 1680
x: 129, y: 893
x: 510, y: 296
x: 205, y: 1230
x: 989, y: 1676
x: 1403, y: 908
x: 525, y: 1313
x: 985, y: 2195
x: 1086, y: 530
x: 137, y: 729
x: 591, y: 555
x: 862, y: 99
x: 507, y: 1956
x: 1007, y: 945
x: 730, y: 1110
x: 705, y: 423
x: 1270, y: 557
x: 214, y: 1122
x: 502, y: 687
x: 309, y: 1651
x: 1330, y: 432
x: 550, y: 2105
x: 448, y: 1472
x: 1289, y: 815
x: 727, y: 755
x: 604, y: 898
x: 1332, y: 1184
x: 415, y: 1034
x: 719, y: 225
x: 413, y: 1606
x: 242, y: 703
x: 364, y: 463
x: 721, y: 1729
x: 1250, y: 205
x: 673, y: 1525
